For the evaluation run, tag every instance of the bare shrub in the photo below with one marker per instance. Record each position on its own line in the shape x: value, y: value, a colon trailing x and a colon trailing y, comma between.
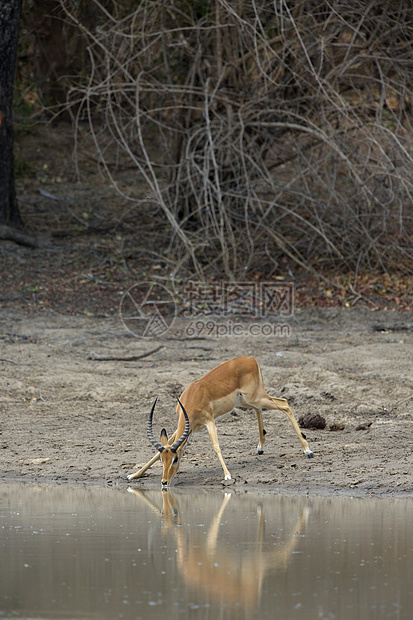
x: 262, y: 129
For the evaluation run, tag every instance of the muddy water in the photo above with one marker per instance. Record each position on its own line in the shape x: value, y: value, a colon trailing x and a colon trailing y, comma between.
x: 70, y: 552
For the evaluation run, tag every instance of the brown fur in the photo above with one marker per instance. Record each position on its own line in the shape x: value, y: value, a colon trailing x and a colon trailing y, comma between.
x: 235, y: 382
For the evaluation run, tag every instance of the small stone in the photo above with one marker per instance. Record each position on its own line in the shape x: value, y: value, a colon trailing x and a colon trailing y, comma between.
x: 364, y: 427
x: 312, y: 421
x: 336, y: 426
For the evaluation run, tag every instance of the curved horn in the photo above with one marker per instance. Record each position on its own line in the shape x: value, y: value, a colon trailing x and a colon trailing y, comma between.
x: 186, y: 432
x: 151, y: 438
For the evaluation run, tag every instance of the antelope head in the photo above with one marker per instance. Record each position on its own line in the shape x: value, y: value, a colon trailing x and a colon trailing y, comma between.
x: 170, y: 455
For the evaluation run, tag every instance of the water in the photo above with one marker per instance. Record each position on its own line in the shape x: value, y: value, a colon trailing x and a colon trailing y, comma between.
x: 85, y: 552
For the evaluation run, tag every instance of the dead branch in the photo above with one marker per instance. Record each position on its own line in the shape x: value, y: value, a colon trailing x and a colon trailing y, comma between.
x: 280, y: 130
x: 10, y: 233
x: 122, y: 358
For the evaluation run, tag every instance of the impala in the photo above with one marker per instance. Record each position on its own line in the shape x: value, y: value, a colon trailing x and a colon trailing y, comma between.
x: 210, y: 566
x: 235, y: 383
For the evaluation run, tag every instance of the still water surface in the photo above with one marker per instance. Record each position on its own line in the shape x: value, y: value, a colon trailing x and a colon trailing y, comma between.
x: 84, y: 552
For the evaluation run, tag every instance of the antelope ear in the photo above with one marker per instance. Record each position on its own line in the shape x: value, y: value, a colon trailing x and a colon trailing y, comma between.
x: 164, y: 437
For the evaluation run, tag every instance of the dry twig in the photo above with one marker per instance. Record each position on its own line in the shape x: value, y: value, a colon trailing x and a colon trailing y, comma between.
x: 281, y: 128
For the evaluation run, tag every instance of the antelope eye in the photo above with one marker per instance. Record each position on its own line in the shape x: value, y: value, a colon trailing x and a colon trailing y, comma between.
x: 175, y: 460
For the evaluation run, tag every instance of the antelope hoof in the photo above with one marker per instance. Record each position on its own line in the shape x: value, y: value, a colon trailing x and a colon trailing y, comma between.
x: 309, y: 453
x: 260, y: 450
x: 130, y: 477
x: 228, y: 477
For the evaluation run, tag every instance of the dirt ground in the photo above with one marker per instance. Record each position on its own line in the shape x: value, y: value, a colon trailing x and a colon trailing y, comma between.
x: 66, y: 416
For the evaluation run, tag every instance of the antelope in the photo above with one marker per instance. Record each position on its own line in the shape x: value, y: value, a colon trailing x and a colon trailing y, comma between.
x: 219, y: 571
x: 235, y: 383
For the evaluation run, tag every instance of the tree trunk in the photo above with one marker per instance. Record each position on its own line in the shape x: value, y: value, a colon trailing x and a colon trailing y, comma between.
x: 10, y: 11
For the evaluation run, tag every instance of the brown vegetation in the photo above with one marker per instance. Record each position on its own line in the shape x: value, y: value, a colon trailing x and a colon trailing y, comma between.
x: 263, y: 131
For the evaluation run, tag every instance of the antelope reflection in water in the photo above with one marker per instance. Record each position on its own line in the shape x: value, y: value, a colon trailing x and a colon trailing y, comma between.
x: 217, y: 570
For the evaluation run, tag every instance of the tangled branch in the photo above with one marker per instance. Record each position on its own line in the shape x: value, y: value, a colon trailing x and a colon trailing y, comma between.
x: 262, y: 129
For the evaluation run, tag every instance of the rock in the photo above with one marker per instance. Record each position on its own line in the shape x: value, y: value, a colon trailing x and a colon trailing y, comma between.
x: 364, y: 427
x: 312, y: 420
